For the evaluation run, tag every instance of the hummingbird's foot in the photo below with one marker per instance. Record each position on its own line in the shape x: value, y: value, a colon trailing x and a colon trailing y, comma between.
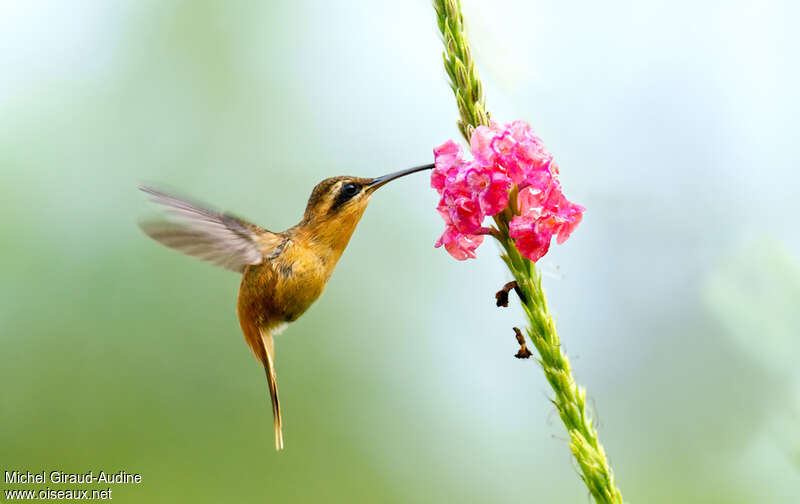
x: 523, y: 352
x: 502, y: 294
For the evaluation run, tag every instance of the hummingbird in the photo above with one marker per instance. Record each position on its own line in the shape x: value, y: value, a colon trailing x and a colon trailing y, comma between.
x: 282, y: 273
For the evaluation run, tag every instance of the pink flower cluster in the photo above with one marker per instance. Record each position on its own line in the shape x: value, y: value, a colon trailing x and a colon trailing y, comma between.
x: 503, y: 155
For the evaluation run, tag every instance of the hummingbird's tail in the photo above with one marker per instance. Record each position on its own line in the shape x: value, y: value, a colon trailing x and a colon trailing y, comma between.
x: 268, y: 359
x: 260, y: 342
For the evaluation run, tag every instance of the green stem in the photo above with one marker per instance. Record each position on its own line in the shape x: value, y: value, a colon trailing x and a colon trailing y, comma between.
x: 570, y: 398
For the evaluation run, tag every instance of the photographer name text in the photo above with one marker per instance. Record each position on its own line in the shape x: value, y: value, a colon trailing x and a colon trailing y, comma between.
x: 61, y: 477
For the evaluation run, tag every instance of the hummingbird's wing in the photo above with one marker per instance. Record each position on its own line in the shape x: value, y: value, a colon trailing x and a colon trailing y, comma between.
x: 220, y: 238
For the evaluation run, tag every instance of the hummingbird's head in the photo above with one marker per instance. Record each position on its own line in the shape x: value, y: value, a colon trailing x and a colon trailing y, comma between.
x: 346, y: 198
x: 337, y: 204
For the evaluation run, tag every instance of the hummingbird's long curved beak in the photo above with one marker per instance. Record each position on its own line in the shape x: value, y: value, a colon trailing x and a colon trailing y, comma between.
x: 377, y: 182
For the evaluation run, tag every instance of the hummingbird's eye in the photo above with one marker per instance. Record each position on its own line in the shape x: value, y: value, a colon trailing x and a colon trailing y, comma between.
x: 346, y: 192
x: 350, y: 189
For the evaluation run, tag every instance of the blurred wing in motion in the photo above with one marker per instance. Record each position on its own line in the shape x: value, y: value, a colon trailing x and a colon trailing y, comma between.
x: 220, y: 238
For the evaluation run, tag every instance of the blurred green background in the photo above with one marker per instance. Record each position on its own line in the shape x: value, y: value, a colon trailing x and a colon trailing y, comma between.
x: 674, y: 123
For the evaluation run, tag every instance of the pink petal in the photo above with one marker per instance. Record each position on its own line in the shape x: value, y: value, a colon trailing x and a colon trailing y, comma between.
x: 447, y: 158
x: 567, y: 228
x: 459, y: 245
x: 521, y: 226
x: 521, y: 131
x: 481, y: 144
x: 533, y: 246
x: 490, y: 188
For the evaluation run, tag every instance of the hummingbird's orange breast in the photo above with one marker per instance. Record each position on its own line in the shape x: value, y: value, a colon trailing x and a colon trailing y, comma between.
x: 284, y: 286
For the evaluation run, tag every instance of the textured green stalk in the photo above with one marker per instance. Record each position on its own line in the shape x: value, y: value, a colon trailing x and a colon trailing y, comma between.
x: 570, y: 399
